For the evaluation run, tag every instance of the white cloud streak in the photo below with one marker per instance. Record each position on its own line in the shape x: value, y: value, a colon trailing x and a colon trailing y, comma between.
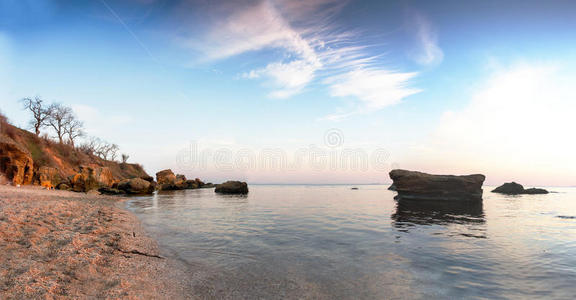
x: 428, y: 52
x: 315, y: 50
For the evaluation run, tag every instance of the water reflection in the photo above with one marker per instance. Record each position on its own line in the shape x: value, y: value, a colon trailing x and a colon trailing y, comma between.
x: 410, y: 213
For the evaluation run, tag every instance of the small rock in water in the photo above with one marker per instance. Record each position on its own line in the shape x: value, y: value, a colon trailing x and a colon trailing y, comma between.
x: 354, y: 188
x: 513, y: 188
x: 232, y: 187
x: 566, y: 217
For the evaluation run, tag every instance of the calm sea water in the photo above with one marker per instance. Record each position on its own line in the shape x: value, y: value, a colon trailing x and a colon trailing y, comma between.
x: 331, y: 242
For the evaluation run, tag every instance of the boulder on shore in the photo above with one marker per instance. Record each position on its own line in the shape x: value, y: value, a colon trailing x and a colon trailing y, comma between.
x: 232, y: 187
x: 134, y: 186
x: 513, y: 188
x: 412, y: 185
x: 111, y: 191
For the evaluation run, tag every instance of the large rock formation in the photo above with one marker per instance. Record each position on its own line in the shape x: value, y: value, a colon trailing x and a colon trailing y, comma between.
x: 15, y: 162
x: 421, y: 186
x: 48, y: 177
x: 104, y: 176
x: 232, y: 187
x: 134, y: 186
x: 165, y: 177
x: 167, y: 180
x: 89, y: 178
x: 513, y: 188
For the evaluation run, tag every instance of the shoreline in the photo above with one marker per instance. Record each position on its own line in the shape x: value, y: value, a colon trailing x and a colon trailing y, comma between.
x: 67, y: 244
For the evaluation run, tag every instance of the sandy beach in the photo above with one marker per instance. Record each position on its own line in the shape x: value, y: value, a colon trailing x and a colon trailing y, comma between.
x: 58, y: 244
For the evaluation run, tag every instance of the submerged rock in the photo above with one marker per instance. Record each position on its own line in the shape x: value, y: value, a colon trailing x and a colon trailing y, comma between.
x: 412, y: 185
x: 513, y: 188
x: 535, y: 191
x: 232, y: 187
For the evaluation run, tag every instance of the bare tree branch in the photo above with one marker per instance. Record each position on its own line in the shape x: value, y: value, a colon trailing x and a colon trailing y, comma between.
x: 74, y: 129
x: 40, y: 113
x: 60, y: 117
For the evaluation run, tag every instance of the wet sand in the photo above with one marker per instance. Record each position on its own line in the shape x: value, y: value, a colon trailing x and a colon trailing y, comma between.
x: 58, y: 244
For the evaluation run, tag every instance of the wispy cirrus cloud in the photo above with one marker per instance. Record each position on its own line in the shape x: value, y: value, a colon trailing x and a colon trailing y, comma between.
x: 315, y: 50
x: 427, y: 51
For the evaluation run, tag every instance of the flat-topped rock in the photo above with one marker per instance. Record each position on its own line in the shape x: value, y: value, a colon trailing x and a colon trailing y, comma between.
x: 412, y: 185
x: 513, y: 188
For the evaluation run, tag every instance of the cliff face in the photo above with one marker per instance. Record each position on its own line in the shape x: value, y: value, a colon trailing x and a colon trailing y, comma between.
x: 28, y: 159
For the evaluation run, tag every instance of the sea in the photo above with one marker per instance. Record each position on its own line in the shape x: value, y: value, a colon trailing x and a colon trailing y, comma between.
x: 336, y: 242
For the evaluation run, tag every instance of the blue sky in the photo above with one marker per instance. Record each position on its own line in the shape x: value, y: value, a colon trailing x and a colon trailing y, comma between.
x: 423, y: 80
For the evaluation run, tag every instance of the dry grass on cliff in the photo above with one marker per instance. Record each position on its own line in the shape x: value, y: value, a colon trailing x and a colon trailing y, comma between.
x: 70, y: 245
x: 66, y: 158
x: 6, y: 128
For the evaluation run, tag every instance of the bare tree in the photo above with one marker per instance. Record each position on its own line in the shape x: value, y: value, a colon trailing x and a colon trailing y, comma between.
x: 125, y: 158
x: 90, y: 146
x: 74, y: 129
x: 40, y: 113
x: 114, y: 152
x: 59, y: 118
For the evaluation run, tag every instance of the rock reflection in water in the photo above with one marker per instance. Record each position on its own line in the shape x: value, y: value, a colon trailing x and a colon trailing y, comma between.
x: 410, y: 213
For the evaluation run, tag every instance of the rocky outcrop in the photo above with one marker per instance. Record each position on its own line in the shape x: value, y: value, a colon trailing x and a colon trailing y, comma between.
x: 147, y: 178
x: 104, y: 176
x: 513, y: 188
x: 89, y: 178
x: 48, y: 177
x: 412, y: 185
x: 134, y: 186
x: 165, y: 177
x: 167, y: 181
x: 15, y: 162
x: 195, y: 184
x: 232, y: 187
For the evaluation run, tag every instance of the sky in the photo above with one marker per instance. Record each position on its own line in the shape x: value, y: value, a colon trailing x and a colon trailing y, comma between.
x: 316, y: 91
